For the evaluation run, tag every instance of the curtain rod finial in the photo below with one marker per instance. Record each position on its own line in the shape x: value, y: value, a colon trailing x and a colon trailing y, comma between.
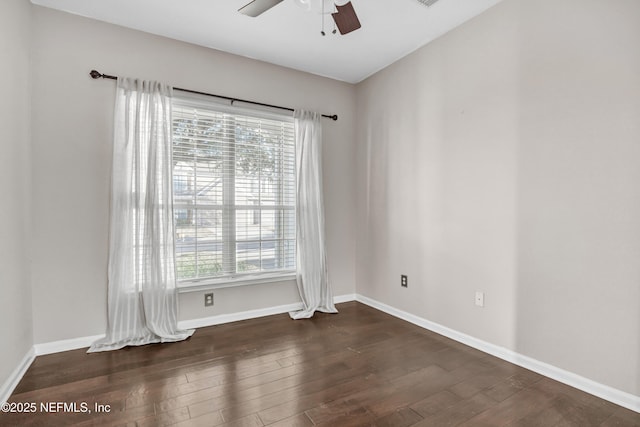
x: 95, y: 74
x: 334, y: 117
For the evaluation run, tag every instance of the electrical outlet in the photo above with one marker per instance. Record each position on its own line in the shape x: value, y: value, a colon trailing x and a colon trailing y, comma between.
x: 480, y: 299
x: 404, y: 282
x: 208, y: 299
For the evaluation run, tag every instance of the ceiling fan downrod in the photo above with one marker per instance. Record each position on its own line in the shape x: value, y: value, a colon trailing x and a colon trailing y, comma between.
x: 322, y: 17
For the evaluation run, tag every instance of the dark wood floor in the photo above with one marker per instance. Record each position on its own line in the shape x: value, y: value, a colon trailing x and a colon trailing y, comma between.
x: 359, y: 367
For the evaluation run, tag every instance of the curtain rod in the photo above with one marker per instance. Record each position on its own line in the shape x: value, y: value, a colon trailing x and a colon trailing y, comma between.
x: 96, y: 75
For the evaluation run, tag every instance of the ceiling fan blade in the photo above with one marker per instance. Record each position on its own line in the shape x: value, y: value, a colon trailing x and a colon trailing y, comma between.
x: 257, y: 7
x: 346, y: 19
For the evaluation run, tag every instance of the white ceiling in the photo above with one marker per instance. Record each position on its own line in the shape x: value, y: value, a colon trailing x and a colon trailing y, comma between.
x: 287, y: 34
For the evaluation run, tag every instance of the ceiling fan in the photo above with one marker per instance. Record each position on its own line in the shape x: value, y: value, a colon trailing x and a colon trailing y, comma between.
x: 342, y: 11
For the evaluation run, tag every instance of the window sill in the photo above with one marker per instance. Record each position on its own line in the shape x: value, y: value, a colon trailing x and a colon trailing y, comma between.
x: 205, y: 285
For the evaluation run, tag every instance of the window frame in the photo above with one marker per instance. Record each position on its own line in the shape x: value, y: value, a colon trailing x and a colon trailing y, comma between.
x: 235, y: 279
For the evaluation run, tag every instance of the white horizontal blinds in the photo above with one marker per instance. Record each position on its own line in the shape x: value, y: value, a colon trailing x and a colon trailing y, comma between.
x: 234, y: 193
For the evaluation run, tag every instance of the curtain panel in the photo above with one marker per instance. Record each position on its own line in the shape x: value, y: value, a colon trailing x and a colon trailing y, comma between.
x: 142, y: 294
x: 312, y: 277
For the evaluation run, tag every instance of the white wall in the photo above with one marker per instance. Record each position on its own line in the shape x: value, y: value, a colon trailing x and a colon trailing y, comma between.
x: 504, y: 158
x: 72, y: 120
x: 15, y: 302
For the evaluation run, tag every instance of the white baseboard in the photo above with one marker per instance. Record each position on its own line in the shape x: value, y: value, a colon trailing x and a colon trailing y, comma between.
x: 251, y: 314
x: 82, y: 342
x: 12, y: 382
x: 235, y: 317
x: 65, y: 345
x: 611, y: 394
x: 344, y: 298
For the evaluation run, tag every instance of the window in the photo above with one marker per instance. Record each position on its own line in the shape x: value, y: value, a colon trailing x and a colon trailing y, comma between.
x: 234, y: 193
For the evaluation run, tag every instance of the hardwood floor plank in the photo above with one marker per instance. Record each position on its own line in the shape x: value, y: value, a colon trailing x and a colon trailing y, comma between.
x: 299, y: 420
x: 622, y: 417
x: 459, y: 412
x: 385, y: 399
x: 354, y: 418
x: 475, y: 384
x: 435, y: 403
x: 402, y: 417
x: 410, y: 389
x: 237, y: 399
x: 514, y: 408
x: 330, y: 392
x: 512, y: 385
x: 306, y: 394
x: 165, y: 419
x: 211, y: 419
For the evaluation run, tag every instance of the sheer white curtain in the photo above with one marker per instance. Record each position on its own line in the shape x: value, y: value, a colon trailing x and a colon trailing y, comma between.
x: 142, y: 302
x: 312, y: 277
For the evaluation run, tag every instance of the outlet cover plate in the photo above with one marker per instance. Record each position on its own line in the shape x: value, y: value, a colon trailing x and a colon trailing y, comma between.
x: 208, y: 299
x: 480, y: 299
